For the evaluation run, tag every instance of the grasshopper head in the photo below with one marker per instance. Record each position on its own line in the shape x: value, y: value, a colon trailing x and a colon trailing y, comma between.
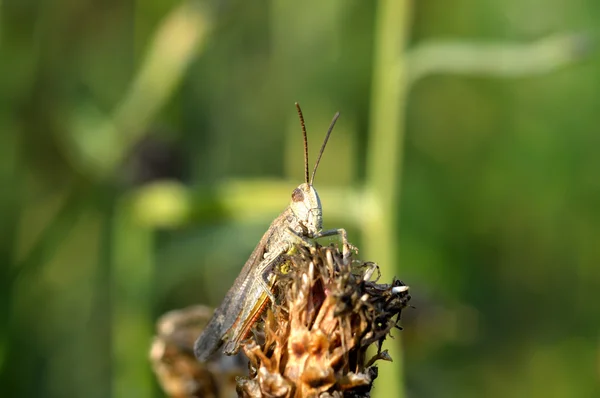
x: 306, y: 206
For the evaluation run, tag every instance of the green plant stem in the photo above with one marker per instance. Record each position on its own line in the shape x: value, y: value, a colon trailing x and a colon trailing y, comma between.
x: 384, y: 161
x: 56, y: 231
x: 499, y: 59
x: 131, y: 272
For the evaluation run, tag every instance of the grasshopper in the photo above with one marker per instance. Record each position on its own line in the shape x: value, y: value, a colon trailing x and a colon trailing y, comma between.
x: 299, y: 223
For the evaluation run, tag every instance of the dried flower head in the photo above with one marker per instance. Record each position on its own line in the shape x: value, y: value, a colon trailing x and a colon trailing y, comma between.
x: 314, y: 341
x: 177, y: 369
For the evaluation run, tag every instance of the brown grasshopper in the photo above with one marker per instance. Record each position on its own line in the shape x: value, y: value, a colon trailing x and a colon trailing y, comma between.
x: 300, y: 222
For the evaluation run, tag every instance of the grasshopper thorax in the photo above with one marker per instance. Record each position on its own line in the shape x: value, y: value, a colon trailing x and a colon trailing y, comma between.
x: 307, y: 210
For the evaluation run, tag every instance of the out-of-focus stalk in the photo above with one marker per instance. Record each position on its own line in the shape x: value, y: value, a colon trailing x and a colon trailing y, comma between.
x: 384, y: 159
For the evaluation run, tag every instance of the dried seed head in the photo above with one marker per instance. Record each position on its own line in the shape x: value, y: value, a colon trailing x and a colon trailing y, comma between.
x: 316, y: 337
x: 177, y: 369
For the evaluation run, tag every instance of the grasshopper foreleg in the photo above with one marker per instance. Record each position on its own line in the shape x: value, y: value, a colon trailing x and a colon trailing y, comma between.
x: 271, y: 258
x: 295, y: 238
x: 347, y: 247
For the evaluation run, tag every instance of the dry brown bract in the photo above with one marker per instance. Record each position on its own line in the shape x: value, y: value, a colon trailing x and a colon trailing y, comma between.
x: 314, y: 342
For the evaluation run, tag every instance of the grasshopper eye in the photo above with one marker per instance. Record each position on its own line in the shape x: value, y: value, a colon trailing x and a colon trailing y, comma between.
x: 297, y: 195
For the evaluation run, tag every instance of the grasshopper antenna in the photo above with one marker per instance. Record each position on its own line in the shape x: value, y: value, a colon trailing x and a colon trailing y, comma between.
x: 335, y: 118
x: 305, y: 142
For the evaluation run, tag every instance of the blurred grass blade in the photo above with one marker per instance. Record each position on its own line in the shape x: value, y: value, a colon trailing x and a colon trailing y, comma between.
x: 132, y: 268
x: 98, y: 142
x: 508, y: 59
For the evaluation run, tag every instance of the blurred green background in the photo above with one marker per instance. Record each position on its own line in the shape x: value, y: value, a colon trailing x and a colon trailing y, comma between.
x: 146, y: 145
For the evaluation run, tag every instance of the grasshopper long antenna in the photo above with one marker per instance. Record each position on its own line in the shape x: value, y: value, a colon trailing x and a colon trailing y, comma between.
x: 335, y: 118
x: 305, y: 142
